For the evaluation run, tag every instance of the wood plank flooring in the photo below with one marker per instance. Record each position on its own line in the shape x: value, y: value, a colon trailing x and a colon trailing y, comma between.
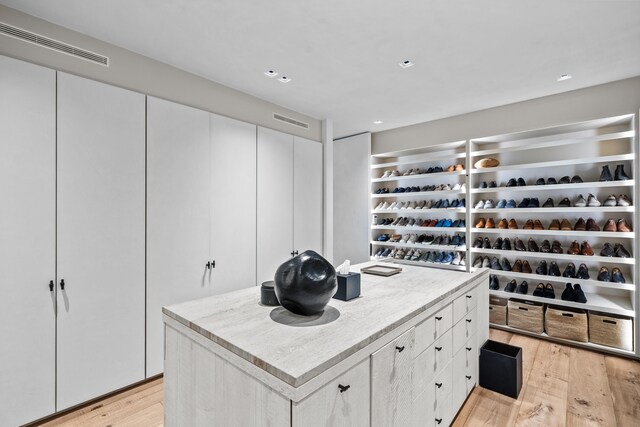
x: 562, y: 386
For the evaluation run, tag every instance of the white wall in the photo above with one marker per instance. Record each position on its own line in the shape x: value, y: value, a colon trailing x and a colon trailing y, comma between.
x: 351, y: 189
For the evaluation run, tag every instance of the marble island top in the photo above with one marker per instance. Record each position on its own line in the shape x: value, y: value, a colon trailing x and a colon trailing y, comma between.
x: 297, y: 348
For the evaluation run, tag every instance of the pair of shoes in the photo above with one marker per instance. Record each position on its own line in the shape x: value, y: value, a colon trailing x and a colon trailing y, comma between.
x: 489, y: 223
x: 499, y: 244
x: 615, y: 275
x: 574, y: 293
x: 581, y: 273
x: 491, y: 184
x: 569, y: 180
x: 580, y: 249
x: 485, y: 204
x: 552, y: 270
x: 614, y: 251
x: 516, y: 183
x: 547, y: 247
x: 621, y: 200
x: 533, y: 225
x: 521, y: 267
x: 383, y: 238
x: 620, y: 225
x: 619, y: 174
x: 529, y: 203
x: 382, y: 191
x: 522, y: 288
x: 457, y: 168
x: 591, y: 201
x: 589, y: 225
x: 390, y: 174
x: 550, y: 181
x: 544, y: 291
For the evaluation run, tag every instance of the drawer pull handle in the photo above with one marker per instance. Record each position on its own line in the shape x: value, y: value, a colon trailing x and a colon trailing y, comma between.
x: 439, y: 385
x: 468, y: 320
x: 438, y: 348
x: 468, y: 348
x: 399, y: 349
x: 438, y: 420
x: 51, y: 285
x: 468, y: 296
x: 468, y: 377
x: 343, y: 388
x: 438, y: 318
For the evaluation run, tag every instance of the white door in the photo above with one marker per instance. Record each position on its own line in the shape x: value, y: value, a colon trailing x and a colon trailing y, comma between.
x: 178, y: 224
x: 307, y: 195
x: 233, y: 204
x: 275, y: 201
x: 27, y: 241
x: 101, y: 239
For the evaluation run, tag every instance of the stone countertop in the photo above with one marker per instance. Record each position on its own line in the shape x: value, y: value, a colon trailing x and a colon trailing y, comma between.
x: 297, y: 348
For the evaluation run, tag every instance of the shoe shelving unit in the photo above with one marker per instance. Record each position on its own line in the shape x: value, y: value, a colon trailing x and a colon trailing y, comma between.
x: 442, y: 155
x: 580, y: 149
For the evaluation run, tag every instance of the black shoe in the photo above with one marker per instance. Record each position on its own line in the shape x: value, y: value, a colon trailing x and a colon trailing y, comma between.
x: 570, y: 271
x: 548, y: 203
x: 553, y: 269
x: 522, y: 288
x: 621, y: 252
x: 539, y: 290
x: 478, y: 243
x: 521, y: 183
x: 512, y: 182
x: 578, y: 295
x: 540, y: 181
x: 511, y: 286
x: 519, y: 245
x: 534, y: 203
x: 533, y: 246
x: 620, y: 175
x: 542, y: 268
x: 616, y: 275
x: 486, y: 243
x: 524, y: 203
x: 483, y: 184
x: 506, y: 244
x: 564, y: 203
x: 576, y: 180
x: 495, y: 264
x: 549, y: 292
x: 604, y: 275
x: 565, y: 180
x: 494, y: 284
x: 551, y: 181
x: 607, y: 250
x: 505, y: 265
x: 497, y: 244
x: 583, y: 272
x: 545, y: 247
x: 493, y: 184
x: 605, y: 175
x: 567, y: 294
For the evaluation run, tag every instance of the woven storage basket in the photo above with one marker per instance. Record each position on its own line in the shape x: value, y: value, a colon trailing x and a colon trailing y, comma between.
x: 567, y: 323
x: 611, y: 330
x: 526, y: 315
x: 498, y: 310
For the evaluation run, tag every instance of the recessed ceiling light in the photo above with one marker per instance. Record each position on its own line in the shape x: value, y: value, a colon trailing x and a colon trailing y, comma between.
x: 284, y: 79
x: 270, y: 73
x: 377, y: 122
x: 564, y: 77
x: 407, y: 63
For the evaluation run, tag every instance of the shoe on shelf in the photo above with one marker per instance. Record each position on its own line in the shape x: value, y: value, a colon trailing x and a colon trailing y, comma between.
x: 574, y: 248
x: 489, y: 204
x: 477, y: 263
x: 592, y: 201
x: 566, y: 203
x: 456, y: 187
x: 565, y: 225
x: 456, y: 240
x: 459, y: 167
x: 534, y: 203
x: 605, y: 175
x: 542, y: 268
x: 621, y: 252
x: 480, y: 204
x: 517, y: 266
x: 551, y: 181
x: 532, y: 246
x: 501, y: 204
x: 445, y: 204
x: 592, y: 225
x: 494, y: 284
x: 554, y: 270
x: 519, y: 245
x: 505, y: 265
x: 622, y: 226
x: 548, y: 203
x: 545, y: 247
x: 581, y: 225
x: 555, y: 225
x: 486, y: 262
x: 447, y: 223
x: 512, y: 182
x: 522, y: 288
x: 616, y: 275
x: 490, y: 223
x: 585, y: 249
x: 521, y: 182
x: 569, y: 271
x: 497, y: 244
x: 483, y: 184
x: 492, y: 184
x: 565, y: 180
x: 610, y: 201
x: 456, y: 259
x: 623, y: 200
x: 568, y: 293
x: 446, y: 241
x: 511, y: 204
x: 386, y: 174
x: 604, y: 275
x: 408, y: 255
x: 607, y: 250
x: 539, y: 291
x: 576, y: 179
x: 513, y: 225
x: 448, y: 258
x: 502, y: 224
x: 549, y: 291
x: 610, y: 225
x: 556, y: 248
x: 583, y: 272
x: 524, y: 203
x: 620, y: 175
x: 540, y: 181
x: 486, y: 243
x: 511, y: 286
x: 481, y: 223
x: 399, y: 254
x: 526, y: 268
x: 528, y: 225
x: 537, y: 225
x: 506, y: 244
x: 578, y: 294
x: 580, y: 202
x: 495, y: 264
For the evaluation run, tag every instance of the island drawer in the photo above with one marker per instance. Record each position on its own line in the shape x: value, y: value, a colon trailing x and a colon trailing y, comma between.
x: 432, y: 329
x: 465, y: 369
x: 464, y: 304
x: 464, y: 329
x: 431, y: 361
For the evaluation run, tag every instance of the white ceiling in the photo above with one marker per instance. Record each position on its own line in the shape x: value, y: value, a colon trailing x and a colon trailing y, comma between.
x: 343, y: 55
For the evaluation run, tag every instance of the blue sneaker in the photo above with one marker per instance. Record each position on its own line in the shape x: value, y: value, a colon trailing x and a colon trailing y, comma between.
x: 501, y: 204
x: 438, y: 205
x: 447, y: 223
x: 462, y: 203
x: 511, y: 204
x: 456, y: 240
x: 447, y: 258
x: 454, y: 203
x: 456, y: 223
x: 439, y: 256
x: 445, y: 204
x: 440, y: 222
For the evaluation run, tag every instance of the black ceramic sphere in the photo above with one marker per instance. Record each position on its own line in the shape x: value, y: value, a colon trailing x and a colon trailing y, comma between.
x: 305, y: 283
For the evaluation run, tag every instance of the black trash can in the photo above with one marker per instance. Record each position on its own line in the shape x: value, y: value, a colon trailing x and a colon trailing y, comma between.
x: 501, y: 368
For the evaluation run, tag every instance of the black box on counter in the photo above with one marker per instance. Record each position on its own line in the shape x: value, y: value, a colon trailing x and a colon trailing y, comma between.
x: 348, y: 286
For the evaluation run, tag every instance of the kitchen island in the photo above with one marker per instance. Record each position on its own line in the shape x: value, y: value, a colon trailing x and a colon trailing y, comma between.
x: 403, y: 353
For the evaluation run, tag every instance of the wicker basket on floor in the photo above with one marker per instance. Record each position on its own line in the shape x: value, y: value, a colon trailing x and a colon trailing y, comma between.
x: 498, y: 310
x: 526, y: 315
x: 611, y: 330
x: 565, y: 322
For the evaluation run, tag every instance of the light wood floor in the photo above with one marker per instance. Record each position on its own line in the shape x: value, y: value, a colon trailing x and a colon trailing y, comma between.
x: 562, y: 386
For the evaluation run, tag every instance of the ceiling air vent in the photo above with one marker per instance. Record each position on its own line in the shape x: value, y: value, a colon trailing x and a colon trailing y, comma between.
x: 290, y: 121
x: 28, y: 36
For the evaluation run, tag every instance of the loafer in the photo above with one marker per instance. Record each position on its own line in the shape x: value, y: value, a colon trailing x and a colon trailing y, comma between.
x: 565, y: 225
x: 494, y: 284
x: 528, y: 225
x: 522, y: 288
x: 565, y: 203
x: 565, y: 180
x: 574, y: 248
x: 517, y: 266
x: 610, y: 225
x: 585, y: 249
x: 524, y: 203
x: 567, y: 294
x: 521, y: 182
x: 610, y: 201
x: 540, y: 181
x: 569, y: 271
x: 623, y: 200
x: 553, y: 269
x: 545, y: 247
x: 512, y: 183
x: 481, y: 223
x: 490, y: 223
x: 502, y: 224
x: 534, y: 202
x: 497, y: 244
x: 551, y: 181
x: 605, y: 175
x: 532, y: 246
x: 486, y: 243
x: 537, y: 225
x: 580, y: 202
x: 592, y: 225
x: 511, y: 204
x: 581, y: 225
x: 621, y: 252
x: 622, y: 226
x: 526, y: 268
x: 548, y: 203
x: 519, y: 245
x: 592, y: 201
x: 549, y: 292
x: 505, y: 265
x: 539, y: 291
x: 576, y: 179
x: 556, y: 248
x: 578, y: 294
x: 555, y: 225
x: 495, y: 264
x: 608, y: 250
x: 506, y: 244
x: 604, y: 275
x: 616, y: 275
x: 513, y: 225
x: 511, y: 286
x: 619, y: 174
x: 583, y: 272
x: 542, y: 268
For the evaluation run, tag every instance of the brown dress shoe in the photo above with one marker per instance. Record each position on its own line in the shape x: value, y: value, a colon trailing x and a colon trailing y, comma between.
x: 459, y: 167
x: 480, y: 223
x: 528, y: 225
x: 526, y: 268
x: 517, y: 266
x: 623, y: 226
x: 555, y: 225
x: 451, y: 168
x: 502, y: 224
x: 586, y: 249
x: 592, y: 225
x: 574, y: 249
x: 519, y: 245
x: 537, y: 225
x: 610, y: 225
x: 513, y: 225
x: 581, y: 225
x: 556, y: 248
x: 565, y: 225
x: 490, y: 223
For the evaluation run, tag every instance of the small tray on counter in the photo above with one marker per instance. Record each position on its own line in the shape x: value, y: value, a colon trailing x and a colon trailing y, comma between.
x: 381, y: 270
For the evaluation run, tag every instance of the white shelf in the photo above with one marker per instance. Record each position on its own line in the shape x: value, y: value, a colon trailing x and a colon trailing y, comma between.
x: 563, y: 256
x: 422, y: 175
x: 558, y: 233
x: 602, y: 209
x: 431, y: 159
x: 426, y: 264
x: 577, y: 186
x: 425, y: 246
x: 596, y: 302
x: 417, y: 194
x: 417, y: 229
x: 417, y: 211
x: 556, y: 163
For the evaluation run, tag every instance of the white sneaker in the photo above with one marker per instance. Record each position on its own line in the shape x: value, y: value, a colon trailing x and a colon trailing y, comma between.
x: 385, y: 205
x: 421, y: 204
x: 405, y: 238
x: 394, y: 173
x: 416, y: 171
x: 386, y: 174
x: 413, y: 238
x: 446, y: 187
x: 456, y: 259
x: 412, y: 205
x: 463, y: 187
x: 428, y: 205
x: 379, y: 206
x: 404, y: 205
x: 462, y: 261
x: 456, y: 187
x: 480, y: 204
x: 407, y: 173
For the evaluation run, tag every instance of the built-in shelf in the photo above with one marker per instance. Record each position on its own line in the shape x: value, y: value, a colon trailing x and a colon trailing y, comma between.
x: 553, y: 187
x: 556, y: 163
x: 432, y: 158
x: 421, y: 175
x: 418, y: 229
x: 425, y: 246
x: 418, y: 194
x: 418, y: 211
x: 428, y: 264
x: 551, y: 256
x: 558, y: 233
x: 557, y: 210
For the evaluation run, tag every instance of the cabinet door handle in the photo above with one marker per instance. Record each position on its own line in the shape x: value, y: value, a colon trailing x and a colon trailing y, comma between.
x: 343, y: 388
x: 439, y: 385
x: 468, y: 320
x: 62, y: 284
x: 438, y: 318
x: 399, y: 349
x: 438, y: 348
x: 438, y: 420
x: 208, y: 265
x: 468, y: 296
x: 468, y: 377
x: 51, y: 285
x: 468, y: 348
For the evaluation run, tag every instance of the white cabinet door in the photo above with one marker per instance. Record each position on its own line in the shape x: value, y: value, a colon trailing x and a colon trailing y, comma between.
x: 101, y: 239
x: 27, y: 241
x: 178, y: 224
x: 233, y: 204
x: 275, y: 201
x: 307, y: 195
